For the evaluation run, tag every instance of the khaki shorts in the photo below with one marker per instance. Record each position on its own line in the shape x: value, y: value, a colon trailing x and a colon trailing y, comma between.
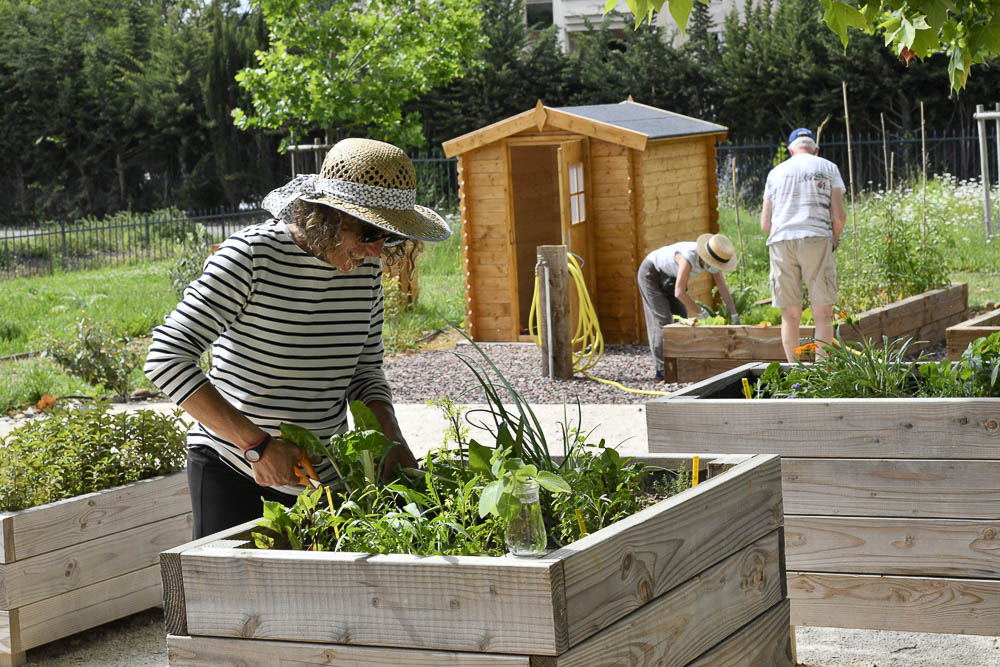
x: 797, y: 260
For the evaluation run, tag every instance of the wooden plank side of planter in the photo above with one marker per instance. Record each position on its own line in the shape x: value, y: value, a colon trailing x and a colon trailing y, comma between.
x: 11, y: 651
x: 619, y: 569
x: 928, y: 488
x: 911, y: 604
x: 875, y: 545
x: 71, y: 521
x: 766, y: 640
x: 188, y: 651
x: 951, y: 428
x: 727, y: 341
x: 32, y: 579
x: 907, y: 316
x: 685, y: 622
x: 87, y: 607
x: 468, y: 603
x: 960, y: 335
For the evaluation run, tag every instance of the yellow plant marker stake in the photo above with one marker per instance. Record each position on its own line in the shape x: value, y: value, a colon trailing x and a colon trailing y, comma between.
x: 746, y: 389
x: 694, y: 471
x: 579, y: 521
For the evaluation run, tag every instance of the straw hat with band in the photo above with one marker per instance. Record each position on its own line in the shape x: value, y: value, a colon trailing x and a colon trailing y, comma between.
x: 370, y: 180
x: 717, y: 251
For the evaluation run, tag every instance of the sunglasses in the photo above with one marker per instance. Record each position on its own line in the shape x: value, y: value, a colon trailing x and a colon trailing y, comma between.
x: 372, y: 234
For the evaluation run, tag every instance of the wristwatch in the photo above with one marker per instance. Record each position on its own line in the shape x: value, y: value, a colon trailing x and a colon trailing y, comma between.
x: 254, y: 452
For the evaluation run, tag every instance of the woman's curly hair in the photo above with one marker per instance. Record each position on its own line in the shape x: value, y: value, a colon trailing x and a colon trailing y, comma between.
x: 322, y: 232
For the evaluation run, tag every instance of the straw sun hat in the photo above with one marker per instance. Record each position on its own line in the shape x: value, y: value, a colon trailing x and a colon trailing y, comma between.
x: 370, y: 180
x: 717, y: 251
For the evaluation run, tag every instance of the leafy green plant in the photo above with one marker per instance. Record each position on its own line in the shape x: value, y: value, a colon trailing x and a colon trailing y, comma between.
x: 89, y: 448
x: 865, y: 369
x: 499, y: 497
x: 195, y: 246
x: 357, y: 456
x: 886, y: 370
x: 97, y: 353
x: 606, y: 488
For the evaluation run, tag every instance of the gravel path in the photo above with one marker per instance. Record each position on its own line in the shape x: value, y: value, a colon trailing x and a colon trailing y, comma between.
x: 415, y: 378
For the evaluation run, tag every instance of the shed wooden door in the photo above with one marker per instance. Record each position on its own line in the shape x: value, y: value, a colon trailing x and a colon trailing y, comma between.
x: 574, y: 209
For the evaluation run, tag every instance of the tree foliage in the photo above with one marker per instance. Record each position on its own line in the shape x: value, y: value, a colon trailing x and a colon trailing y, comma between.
x: 124, y: 104
x: 967, y: 33
x: 336, y: 65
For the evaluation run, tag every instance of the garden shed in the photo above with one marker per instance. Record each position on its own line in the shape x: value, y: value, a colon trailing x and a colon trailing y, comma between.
x: 610, y: 181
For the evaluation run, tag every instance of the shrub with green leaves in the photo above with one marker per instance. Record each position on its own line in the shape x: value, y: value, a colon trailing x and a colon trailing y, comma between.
x: 187, y: 266
x: 79, y: 450
x: 96, y: 353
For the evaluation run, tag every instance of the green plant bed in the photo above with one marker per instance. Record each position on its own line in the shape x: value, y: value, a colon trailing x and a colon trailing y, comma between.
x: 89, y: 499
x: 889, y: 469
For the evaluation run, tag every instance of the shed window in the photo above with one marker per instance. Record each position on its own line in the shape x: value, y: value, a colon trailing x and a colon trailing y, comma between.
x: 577, y: 212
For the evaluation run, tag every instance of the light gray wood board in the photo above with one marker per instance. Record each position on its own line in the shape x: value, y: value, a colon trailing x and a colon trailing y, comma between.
x: 910, y: 604
x: 619, y: 569
x: 764, y: 641
x: 452, y: 603
x: 171, y: 574
x: 187, y: 651
x: 75, y: 520
x: 951, y: 428
x: 32, y: 579
x: 942, y: 488
x: 693, y: 617
x: 873, y: 545
x: 83, y: 608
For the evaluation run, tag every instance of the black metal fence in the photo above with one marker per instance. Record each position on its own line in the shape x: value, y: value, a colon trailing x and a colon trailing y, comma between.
x: 32, y: 248
x: 875, y: 161
x: 29, y: 247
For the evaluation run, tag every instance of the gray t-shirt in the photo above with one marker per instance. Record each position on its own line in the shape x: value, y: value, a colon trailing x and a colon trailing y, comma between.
x: 800, y: 189
x: 664, y: 261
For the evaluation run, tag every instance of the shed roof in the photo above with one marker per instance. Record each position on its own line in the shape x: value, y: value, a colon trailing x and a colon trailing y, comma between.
x: 627, y: 123
x: 654, y: 123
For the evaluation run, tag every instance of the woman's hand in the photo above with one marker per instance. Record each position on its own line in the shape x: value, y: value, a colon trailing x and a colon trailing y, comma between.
x: 399, y: 454
x: 277, y: 464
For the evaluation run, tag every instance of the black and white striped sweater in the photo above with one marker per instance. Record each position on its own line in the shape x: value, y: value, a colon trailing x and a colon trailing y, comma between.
x: 293, y: 339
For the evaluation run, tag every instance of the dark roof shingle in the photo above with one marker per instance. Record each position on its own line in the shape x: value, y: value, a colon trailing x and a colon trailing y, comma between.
x: 654, y: 123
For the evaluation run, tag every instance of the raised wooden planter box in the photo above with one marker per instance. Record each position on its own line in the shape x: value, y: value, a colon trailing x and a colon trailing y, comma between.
x: 892, y: 506
x: 959, y: 336
x: 695, y: 353
x: 695, y: 579
x: 77, y: 563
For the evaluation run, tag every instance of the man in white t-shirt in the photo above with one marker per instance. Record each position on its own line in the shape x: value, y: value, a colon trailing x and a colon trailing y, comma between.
x: 803, y: 216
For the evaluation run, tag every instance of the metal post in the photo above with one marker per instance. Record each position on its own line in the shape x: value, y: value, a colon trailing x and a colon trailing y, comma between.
x: 996, y: 107
x: 984, y: 165
x: 62, y: 227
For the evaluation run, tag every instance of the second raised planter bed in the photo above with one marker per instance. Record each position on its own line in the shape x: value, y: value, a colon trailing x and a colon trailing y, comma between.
x: 695, y: 579
x: 892, y: 506
x: 74, y: 564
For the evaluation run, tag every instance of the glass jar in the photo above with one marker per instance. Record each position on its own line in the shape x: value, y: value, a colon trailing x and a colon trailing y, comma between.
x: 525, y: 534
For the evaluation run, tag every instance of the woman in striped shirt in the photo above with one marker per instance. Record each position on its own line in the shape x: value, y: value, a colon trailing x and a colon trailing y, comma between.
x: 292, y: 311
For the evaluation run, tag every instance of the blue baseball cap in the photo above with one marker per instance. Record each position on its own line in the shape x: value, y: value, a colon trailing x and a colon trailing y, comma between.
x: 801, y: 132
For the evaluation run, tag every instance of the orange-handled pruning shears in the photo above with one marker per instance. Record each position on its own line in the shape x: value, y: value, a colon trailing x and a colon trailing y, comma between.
x: 305, y: 473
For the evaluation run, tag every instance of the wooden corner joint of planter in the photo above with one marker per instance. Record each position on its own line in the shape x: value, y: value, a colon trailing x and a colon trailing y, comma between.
x: 6, y: 538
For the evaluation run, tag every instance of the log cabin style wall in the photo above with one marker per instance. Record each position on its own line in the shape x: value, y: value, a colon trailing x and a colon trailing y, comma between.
x: 612, y: 182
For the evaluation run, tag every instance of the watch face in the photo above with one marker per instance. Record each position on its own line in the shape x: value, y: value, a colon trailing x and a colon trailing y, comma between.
x: 251, y: 455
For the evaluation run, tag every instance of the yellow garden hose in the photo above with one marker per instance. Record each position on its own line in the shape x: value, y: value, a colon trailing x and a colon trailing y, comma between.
x: 588, y: 330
